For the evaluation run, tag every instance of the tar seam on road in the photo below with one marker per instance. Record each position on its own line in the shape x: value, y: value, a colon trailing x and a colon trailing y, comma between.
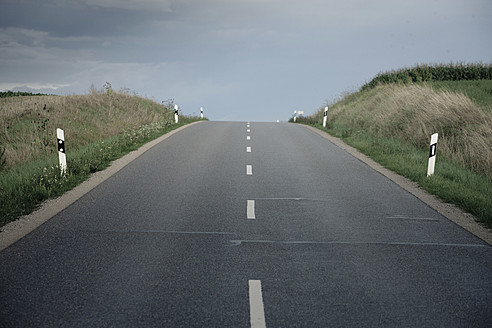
x: 167, y: 232
x: 15, y: 230
x: 381, y: 243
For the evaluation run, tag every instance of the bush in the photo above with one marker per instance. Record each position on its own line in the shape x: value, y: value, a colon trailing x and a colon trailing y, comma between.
x: 429, y: 73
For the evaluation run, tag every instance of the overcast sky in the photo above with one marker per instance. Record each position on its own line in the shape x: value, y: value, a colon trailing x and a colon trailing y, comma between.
x: 255, y: 60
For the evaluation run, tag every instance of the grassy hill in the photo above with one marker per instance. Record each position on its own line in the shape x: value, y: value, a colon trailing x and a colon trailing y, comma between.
x: 99, y: 127
x: 392, y: 122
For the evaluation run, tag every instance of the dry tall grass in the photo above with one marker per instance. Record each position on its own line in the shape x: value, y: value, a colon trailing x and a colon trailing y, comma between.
x: 28, y: 124
x: 413, y: 113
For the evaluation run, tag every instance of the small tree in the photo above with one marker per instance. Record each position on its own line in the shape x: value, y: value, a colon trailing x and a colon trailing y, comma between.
x: 108, y: 88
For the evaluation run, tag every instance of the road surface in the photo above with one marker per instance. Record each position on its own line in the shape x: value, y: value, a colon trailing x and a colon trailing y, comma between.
x: 247, y: 225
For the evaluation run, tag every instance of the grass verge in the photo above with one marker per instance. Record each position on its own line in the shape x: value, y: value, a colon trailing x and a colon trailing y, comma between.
x: 452, y: 182
x: 24, y: 187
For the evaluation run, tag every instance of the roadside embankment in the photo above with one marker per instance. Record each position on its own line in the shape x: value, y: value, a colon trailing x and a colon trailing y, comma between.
x: 392, y: 123
x: 99, y: 128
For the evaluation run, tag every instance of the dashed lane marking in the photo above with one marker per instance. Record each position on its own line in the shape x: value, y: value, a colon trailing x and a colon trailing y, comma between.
x: 250, y: 209
x: 249, y: 169
x: 257, y: 310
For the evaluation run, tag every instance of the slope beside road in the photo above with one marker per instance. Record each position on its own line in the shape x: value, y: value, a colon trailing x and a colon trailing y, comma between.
x: 235, y: 224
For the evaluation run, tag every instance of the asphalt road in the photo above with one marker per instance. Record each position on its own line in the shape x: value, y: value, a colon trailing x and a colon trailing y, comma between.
x: 201, y: 231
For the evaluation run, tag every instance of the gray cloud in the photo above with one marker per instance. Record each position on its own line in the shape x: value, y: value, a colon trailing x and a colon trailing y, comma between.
x: 79, y: 18
x: 237, y: 58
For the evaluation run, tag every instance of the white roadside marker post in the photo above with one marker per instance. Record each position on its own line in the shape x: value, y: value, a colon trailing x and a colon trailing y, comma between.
x: 62, y: 157
x: 295, y: 116
x: 432, y: 155
x: 201, y: 112
x: 176, y: 114
x: 325, y: 116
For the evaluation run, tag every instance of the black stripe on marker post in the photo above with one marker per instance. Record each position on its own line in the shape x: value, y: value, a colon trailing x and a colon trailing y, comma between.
x: 433, y: 149
x: 61, y: 145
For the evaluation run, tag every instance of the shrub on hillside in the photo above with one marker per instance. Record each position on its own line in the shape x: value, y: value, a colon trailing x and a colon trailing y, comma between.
x: 428, y: 73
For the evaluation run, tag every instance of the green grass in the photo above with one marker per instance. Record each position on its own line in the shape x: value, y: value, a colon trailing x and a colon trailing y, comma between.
x: 480, y: 91
x: 24, y: 187
x: 5, y: 94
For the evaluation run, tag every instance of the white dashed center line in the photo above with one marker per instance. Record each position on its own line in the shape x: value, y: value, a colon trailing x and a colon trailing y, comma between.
x: 257, y: 311
x: 249, y: 169
x: 250, y: 209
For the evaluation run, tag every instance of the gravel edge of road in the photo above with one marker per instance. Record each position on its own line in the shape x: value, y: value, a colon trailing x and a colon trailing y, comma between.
x: 452, y: 212
x: 14, y: 231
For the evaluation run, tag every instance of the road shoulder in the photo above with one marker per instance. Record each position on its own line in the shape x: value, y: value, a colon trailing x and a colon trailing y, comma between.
x: 453, y: 213
x: 14, y: 231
